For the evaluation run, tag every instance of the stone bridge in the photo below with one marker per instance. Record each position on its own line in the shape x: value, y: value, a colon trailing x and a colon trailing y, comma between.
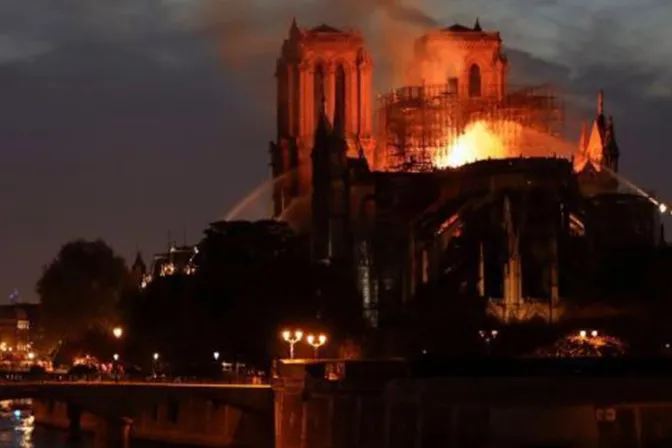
x: 116, y: 406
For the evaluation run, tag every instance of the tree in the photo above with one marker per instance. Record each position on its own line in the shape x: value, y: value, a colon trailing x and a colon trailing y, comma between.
x: 81, y: 288
x: 252, y: 280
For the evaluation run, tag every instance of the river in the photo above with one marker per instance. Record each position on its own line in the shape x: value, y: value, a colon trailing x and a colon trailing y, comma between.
x: 23, y: 433
x: 37, y: 437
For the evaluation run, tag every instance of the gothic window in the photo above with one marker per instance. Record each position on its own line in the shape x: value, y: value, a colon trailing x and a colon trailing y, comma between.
x: 319, y: 92
x: 340, y: 102
x: 474, y: 81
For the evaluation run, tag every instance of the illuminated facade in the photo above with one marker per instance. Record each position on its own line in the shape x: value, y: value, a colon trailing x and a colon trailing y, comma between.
x: 178, y: 260
x: 464, y: 181
x: 316, y: 66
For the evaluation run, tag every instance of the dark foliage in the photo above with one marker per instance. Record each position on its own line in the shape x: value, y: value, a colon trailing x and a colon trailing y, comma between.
x: 253, y: 279
x: 81, y: 289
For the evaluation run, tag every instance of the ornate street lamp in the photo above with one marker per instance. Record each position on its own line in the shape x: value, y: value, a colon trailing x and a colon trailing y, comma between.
x: 316, y: 342
x: 292, y: 339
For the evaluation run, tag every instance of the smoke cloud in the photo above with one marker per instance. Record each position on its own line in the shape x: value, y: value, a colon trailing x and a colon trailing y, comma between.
x: 249, y: 34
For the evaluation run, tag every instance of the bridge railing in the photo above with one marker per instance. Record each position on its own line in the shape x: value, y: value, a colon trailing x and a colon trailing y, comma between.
x: 22, y: 377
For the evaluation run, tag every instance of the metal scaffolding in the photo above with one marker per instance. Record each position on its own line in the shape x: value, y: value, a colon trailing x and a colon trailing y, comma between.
x: 415, y: 122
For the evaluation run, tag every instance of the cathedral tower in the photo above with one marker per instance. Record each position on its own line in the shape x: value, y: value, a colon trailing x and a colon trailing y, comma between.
x: 317, y: 63
x: 469, y: 60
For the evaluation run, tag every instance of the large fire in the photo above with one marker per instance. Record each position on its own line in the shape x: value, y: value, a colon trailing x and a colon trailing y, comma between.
x: 482, y: 140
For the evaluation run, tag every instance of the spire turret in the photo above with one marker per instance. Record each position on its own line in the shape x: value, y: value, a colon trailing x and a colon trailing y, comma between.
x: 600, y: 102
x: 294, y: 30
x: 477, y: 25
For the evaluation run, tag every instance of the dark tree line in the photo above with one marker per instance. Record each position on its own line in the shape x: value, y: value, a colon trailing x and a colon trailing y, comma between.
x: 252, y: 280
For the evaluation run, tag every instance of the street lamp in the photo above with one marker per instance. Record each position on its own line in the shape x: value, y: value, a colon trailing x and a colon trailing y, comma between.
x: 115, y: 357
x: 316, y: 343
x: 118, y: 332
x: 215, y: 355
x: 156, y: 356
x: 292, y: 339
x: 488, y: 337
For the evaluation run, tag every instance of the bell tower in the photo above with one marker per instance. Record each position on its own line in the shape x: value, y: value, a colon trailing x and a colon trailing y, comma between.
x: 315, y: 64
x: 469, y: 60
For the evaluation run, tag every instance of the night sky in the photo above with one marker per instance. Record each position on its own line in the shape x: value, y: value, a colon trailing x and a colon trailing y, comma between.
x: 130, y: 119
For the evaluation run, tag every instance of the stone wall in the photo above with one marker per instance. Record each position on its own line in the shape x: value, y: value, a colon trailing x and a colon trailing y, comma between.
x: 466, y: 412
x: 194, y: 422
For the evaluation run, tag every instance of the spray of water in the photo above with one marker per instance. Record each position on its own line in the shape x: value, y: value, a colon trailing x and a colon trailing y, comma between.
x: 254, y: 195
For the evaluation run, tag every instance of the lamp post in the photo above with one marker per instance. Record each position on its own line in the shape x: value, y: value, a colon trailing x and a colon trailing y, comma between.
x: 117, y: 332
x: 292, y: 339
x: 316, y: 342
x: 155, y: 359
x: 488, y: 337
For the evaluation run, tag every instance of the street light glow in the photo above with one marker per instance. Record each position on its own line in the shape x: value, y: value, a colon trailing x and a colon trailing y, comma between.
x: 292, y: 339
x: 215, y: 355
x: 115, y: 357
x: 156, y: 356
x: 316, y: 343
x: 117, y: 332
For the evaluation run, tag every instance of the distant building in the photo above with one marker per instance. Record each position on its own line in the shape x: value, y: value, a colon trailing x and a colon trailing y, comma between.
x: 18, y: 326
x: 178, y: 260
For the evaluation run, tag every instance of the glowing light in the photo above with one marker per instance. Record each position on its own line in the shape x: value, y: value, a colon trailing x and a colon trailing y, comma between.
x: 320, y: 340
x: 118, y: 332
x: 662, y: 208
x: 316, y: 342
x: 292, y: 339
x: 156, y: 356
x: 31, y: 355
x: 17, y: 413
x: 215, y: 355
x: 572, y: 346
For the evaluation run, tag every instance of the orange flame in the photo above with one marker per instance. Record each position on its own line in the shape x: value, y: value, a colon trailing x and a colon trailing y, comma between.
x: 480, y: 140
x: 498, y: 139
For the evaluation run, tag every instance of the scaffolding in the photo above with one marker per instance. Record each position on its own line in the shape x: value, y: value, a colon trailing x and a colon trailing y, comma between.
x: 417, y: 122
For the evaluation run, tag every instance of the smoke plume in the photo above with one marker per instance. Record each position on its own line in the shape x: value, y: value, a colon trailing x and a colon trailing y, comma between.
x: 248, y: 35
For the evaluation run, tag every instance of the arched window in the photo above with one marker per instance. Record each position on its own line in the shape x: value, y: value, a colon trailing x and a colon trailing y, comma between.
x: 318, y: 92
x: 340, y: 102
x: 474, y: 81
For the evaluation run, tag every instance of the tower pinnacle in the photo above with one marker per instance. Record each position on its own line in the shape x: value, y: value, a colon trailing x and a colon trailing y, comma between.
x: 600, y: 102
x: 294, y: 30
x: 477, y: 25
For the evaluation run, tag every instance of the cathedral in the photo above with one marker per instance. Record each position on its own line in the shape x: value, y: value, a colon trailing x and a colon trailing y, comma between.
x: 454, y: 178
